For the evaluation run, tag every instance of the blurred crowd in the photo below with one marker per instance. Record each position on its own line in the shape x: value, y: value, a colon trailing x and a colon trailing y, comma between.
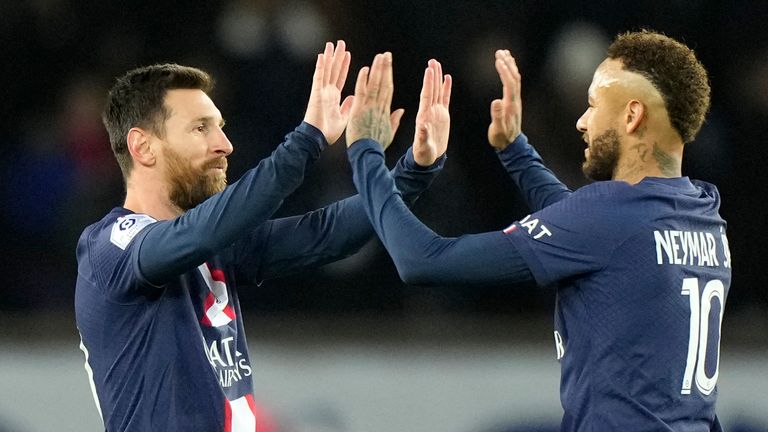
x: 57, y: 172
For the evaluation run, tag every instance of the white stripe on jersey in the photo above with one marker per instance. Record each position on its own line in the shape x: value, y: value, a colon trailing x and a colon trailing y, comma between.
x: 243, y: 417
x: 215, y: 312
x: 89, y: 371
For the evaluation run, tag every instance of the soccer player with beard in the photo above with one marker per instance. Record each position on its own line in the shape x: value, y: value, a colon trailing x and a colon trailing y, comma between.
x: 156, y: 301
x: 639, y: 259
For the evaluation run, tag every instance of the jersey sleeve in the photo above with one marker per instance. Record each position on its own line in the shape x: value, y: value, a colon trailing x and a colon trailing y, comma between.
x: 576, y: 235
x: 169, y: 248
x: 285, y: 245
x: 411, y: 179
x: 106, y: 256
x: 420, y: 255
x: 536, y: 182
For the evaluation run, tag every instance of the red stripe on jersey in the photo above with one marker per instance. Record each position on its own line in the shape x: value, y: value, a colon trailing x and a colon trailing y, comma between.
x: 510, y: 228
x: 227, y: 416
x: 217, y: 275
x: 217, y: 310
x: 228, y: 311
x: 252, y: 406
x: 209, y: 301
x: 264, y: 421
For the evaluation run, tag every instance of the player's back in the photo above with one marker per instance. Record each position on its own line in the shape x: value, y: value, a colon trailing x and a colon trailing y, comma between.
x: 640, y: 335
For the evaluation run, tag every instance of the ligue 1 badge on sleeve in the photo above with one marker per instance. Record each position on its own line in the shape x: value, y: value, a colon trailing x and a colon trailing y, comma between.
x: 125, y: 223
x: 126, y: 228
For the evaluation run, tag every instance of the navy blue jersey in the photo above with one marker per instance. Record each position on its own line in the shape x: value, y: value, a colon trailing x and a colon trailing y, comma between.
x: 156, y: 301
x: 172, y: 357
x: 641, y: 271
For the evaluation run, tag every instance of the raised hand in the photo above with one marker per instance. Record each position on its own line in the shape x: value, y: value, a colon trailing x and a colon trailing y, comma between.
x: 323, y: 110
x: 369, y: 116
x: 433, y: 121
x: 507, y: 112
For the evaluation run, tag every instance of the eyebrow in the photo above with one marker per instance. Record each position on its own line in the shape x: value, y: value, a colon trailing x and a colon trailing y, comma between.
x: 209, y: 119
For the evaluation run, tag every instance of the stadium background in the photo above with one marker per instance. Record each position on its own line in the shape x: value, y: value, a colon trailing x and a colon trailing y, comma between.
x: 348, y: 347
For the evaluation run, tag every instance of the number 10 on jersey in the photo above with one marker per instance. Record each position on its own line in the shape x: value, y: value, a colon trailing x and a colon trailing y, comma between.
x: 701, y: 307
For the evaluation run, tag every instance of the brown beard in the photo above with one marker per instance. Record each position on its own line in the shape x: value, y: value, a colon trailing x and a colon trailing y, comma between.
x: 189, y: 186
x: 603, y: 156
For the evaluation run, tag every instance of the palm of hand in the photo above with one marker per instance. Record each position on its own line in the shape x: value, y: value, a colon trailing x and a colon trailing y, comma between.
x: 506, y: 113
x: 323, y: 109
x: 433, y: 120
x: 324, y: 104
x: 431, y: 143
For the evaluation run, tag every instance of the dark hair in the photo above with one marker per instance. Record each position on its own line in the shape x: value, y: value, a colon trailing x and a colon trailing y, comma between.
x: 137, y: 100
x: 674, y: 70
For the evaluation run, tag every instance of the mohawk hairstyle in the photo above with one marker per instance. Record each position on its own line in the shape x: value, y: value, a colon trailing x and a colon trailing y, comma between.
x: 674, y: 70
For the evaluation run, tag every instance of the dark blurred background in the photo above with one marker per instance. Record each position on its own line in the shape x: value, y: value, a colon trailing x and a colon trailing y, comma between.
x: 57, y: 172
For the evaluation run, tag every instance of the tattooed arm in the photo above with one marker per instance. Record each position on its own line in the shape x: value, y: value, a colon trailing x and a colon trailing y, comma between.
x: 420, y: 255
x: 370, y: 117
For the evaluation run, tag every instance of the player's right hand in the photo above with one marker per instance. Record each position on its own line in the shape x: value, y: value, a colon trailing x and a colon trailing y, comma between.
x: 507, y: 112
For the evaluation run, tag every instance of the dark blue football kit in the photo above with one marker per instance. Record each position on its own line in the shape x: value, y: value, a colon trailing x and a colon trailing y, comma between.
x: 641, y: 273
x: 156, y: 301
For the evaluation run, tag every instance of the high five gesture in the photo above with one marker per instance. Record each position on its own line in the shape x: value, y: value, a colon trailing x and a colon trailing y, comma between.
x: 370, y: 116
x: 324, y: 110
x: 433, y: 121
x: 507, y: 112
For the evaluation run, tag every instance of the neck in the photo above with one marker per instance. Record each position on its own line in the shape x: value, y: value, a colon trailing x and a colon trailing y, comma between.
x: 150, y: 199
x: 649, y: 157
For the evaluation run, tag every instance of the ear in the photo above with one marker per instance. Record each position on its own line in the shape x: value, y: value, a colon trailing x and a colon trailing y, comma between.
x: 139, y: 146
x: 635, y: 114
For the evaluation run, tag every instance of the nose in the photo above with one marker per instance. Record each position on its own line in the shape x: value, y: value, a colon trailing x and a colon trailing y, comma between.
x: 221, y: 144
x: 581, y: 123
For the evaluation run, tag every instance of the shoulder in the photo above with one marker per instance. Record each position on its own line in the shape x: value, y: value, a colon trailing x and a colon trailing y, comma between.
x: 650, y: 196
x: 105, y: 244
x: 609, y: 209
x: 604, y: 189
x: 600, y: 199
x: 117, y: 228
x: 124, y: 228
x: 707, y: 189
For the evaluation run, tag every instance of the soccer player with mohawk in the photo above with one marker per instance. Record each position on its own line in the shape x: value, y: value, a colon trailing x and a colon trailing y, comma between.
x: 639, y: 259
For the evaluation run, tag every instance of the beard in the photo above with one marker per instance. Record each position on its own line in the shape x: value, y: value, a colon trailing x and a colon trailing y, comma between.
x: 603, y: 157
x: 189, y: 186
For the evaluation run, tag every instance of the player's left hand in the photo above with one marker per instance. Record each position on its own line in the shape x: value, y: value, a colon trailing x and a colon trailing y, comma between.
x: 323, y: 110
x: 433, y: 121
x: 369, y: 116
x: 507, y: 112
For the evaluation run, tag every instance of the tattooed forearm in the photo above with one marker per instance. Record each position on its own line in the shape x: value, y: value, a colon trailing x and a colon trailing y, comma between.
x: 375, y: 125
x: 668, y: 165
